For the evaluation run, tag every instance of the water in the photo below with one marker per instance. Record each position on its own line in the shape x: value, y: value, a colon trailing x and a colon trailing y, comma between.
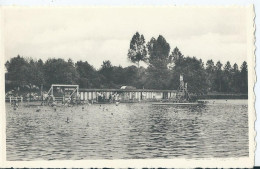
x: 128, y: 131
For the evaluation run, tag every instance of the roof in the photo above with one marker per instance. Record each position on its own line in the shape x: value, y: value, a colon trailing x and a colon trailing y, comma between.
x: 128, y: 87
x: 64, y: 85
x: 124, y: 90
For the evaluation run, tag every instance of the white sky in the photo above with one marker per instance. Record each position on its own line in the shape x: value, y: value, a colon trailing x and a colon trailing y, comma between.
x: 98, y: 34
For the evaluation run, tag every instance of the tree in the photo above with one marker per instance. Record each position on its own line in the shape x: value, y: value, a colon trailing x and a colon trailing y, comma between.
x: 137, y: 51
x: 193, y: 73
x: 36, y: 74
x: 17, y: 71
x: 106, y: 73
x: 235, y: 80
x: 60, y: 72
x: 157, y: 71
x: 227, y: 67
x: 89, y: 78
x: 210, y: 71
x: 210, y: 67
x: 218, y: 77
x: 158, y: 50
x: 227, y: 77
x: 157, y: 76
x: 244, y: 78
x: 130, y: 76
x: 176, y: 56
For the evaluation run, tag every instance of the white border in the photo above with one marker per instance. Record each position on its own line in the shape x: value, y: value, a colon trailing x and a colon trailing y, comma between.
x: 132, y: 3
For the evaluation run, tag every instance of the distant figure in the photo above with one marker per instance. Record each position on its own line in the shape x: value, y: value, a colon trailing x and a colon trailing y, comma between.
x: 100, y: 106
x: 38, y: 109
x: 110, y: 98
x: 117, y: 103
x: 54, y: 106
x: 83, y: 108
x: 67, y: 121
x: 15, y: 105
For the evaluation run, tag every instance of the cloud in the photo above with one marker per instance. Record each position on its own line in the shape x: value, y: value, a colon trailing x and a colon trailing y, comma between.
x: 96, y: 34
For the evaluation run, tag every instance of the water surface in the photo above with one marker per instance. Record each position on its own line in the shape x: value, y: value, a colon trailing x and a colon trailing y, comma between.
x: 128, y: 131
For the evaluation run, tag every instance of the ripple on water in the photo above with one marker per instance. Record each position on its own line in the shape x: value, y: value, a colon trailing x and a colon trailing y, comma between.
x: 128, y: 131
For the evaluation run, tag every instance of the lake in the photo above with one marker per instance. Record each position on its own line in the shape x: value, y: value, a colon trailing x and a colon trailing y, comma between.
x: 128, y: 131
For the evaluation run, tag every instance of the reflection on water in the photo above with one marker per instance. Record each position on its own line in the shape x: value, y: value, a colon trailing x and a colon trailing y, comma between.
x: 128, y: 131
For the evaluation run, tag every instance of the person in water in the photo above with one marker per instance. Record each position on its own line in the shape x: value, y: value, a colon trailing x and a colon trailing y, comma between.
x: 67, y: 120
x: 15, y: 104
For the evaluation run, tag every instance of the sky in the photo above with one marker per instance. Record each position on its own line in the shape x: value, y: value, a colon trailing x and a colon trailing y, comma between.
x: 98, y: 34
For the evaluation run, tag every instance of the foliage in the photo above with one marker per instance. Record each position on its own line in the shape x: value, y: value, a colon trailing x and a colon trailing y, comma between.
x: 18, y: 70
x: 158, y: 50
x: 163, y: 71
x: 157, y: 71
x: 58, y: 71
x: 193, y: 72
x: 137, y: 51
x: 89, y: 77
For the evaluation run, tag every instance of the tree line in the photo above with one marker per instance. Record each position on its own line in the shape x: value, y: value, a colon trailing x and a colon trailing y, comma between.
x: 163, y: 70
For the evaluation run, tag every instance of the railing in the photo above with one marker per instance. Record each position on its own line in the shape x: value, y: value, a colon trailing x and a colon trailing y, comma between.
x: 10, y: 99
x: 59, y: 99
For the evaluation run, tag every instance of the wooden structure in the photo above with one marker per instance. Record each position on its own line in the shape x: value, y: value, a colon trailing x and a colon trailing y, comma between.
x: 62, y: 92
x: 126, y: 95
x: 10, y: 99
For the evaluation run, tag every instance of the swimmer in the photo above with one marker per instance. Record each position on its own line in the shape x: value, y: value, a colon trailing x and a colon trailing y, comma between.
x: 117, y: 103
x: 38, y: 109
x: 67, y: 121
